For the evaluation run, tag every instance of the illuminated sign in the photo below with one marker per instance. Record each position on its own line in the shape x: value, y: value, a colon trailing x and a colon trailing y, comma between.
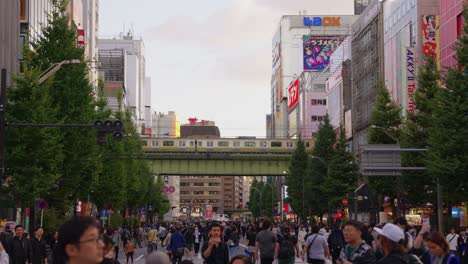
x: 293, y: 94
x: 322, y: 21
x: 410, y: 78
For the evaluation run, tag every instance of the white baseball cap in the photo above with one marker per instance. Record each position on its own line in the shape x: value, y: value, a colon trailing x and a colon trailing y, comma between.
x: 391, y: 232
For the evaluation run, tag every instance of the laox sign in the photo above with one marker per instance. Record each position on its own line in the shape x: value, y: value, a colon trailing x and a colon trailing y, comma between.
x: 322, y: 21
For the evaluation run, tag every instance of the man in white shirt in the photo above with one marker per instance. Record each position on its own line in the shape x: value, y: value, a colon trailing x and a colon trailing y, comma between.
x: 452, y: 240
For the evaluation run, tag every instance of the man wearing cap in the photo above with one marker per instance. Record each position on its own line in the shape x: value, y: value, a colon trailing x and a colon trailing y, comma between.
x: 403, y: 225
x: 392, y: 242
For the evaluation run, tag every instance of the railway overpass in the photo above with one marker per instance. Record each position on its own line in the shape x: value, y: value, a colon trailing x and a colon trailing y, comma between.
x: 219, y: 163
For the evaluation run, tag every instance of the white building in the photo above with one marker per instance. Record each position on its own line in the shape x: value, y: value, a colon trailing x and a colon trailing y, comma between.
x: 303, y: 43
x: 165, y: 125
x: 172, y: 185
x: 90, y: 27
x: 133, y: 57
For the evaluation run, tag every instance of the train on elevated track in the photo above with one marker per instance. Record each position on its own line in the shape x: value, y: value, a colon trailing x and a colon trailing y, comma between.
x: 239, y: 144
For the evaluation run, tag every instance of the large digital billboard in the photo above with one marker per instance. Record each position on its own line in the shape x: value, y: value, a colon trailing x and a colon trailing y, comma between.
x: 317, y: 51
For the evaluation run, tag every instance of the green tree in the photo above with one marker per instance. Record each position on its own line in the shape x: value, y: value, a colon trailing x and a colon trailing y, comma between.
x: 419, y: 186
x: 296, y: 177
x: 447, y: 156
x: 342, y: 174
x: 254, y: 200
x: 385, y: 120
x: 317, y: 168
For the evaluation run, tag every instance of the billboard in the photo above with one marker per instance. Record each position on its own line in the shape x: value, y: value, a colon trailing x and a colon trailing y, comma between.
x: 410, y: 78
x: 275, y: 50
x: 317, y: 51
x: 293, y: 94
x: 431, y: 37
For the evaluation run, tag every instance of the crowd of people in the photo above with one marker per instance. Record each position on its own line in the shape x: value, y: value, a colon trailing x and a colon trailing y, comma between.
x: 82, y: 240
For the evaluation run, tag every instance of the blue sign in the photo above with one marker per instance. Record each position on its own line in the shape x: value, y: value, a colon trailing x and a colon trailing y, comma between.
x: 321, y: 21
x: 455, y: 212
x: 103, y: 213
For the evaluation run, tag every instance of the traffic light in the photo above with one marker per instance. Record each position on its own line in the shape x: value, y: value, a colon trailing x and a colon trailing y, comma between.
x: 104, y: 127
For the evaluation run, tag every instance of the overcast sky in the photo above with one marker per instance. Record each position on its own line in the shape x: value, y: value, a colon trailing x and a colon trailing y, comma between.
x: 210, y: 59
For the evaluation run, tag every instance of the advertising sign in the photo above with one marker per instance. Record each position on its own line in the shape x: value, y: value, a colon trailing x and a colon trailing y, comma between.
x: 81, y: 37
x: 209, y: 212
x: 455, y: 212
x: 276, y: 50
x: 322, y: 21
x: 317, y: 51
x: 431, y: 37
x: 410, y: 78
x: 293, y: 94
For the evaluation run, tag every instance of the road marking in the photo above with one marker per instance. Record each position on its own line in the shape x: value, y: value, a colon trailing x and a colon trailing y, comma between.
x: 138, y: 258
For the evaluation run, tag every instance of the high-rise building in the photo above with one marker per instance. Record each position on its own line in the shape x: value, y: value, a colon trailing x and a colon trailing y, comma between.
x: 131, y: 52
x: 302, y: 47
x: 164, y: 125
x: 89, y: 32
x: 9, y: 36
x: 403, y: 39
x: 451, y: 26
x: 367, y: 68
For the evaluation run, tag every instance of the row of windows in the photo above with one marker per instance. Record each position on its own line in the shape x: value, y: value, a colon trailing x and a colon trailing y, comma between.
x: 170, y: 143
x: 319, y: 101
x: 317, y: 118
x: 398, y: 14
x: 199, y: 193
x: 200, y: 184
x: 199, y: 201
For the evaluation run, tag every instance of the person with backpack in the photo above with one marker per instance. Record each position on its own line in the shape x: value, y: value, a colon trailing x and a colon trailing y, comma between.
x: 189, y: 241
x: 336, y: 241
x: 233, y: 242
x: 288, y: 248
x: 316, y: 248
x: 265, y: 243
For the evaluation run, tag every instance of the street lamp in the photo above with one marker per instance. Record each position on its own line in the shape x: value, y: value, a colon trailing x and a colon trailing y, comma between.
x: 54, y: 68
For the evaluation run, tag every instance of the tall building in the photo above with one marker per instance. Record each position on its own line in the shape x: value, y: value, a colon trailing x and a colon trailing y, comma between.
x: 164, y: 125
x: 302, y: 46
x: 451, y: 26
x: 131, y: 52
x: 403, y: 39
x: 9, y: 36
x: 89, y: 31
x: 367, y: 68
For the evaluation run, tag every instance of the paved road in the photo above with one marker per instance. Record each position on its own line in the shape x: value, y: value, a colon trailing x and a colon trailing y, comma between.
x: 141, y: 253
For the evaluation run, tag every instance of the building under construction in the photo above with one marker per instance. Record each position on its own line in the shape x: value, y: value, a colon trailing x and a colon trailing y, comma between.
x: 367, y: 68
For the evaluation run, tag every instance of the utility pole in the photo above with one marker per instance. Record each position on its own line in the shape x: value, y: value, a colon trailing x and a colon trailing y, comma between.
x: 439, y: 207
x: 2, y: 125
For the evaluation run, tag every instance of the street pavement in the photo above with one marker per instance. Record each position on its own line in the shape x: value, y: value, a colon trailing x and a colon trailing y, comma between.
x: 139, y: 257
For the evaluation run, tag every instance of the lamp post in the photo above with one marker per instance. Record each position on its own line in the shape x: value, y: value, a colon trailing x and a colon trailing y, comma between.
x: 54, y: 68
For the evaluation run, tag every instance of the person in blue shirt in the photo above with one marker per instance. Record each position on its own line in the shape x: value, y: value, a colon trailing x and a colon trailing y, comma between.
x: 177, y: 246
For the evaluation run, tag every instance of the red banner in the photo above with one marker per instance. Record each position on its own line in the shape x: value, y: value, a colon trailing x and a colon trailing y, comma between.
x: 293, y: 94
x: 81, y: 37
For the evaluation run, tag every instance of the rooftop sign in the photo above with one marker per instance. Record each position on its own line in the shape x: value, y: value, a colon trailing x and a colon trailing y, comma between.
x: 322, y: 21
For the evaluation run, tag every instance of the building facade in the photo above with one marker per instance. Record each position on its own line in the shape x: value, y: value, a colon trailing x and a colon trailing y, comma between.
x: 367, y: 69
x: 451, y: 26
x: 9, y: 37
x: 164, y: 125
x: 301, y: 52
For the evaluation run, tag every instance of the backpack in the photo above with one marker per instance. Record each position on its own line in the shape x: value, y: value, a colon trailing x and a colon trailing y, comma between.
x: 286, y: 248
x: 235, y: 238
x: 335, y: 240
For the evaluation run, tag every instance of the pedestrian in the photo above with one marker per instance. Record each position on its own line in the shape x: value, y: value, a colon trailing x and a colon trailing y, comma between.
x: 301, y: 238
x: 241, y: 259
x: 392, y: 242
x: 117, y: 242
x: 158, y: 257
x: 197, y: 239
x: 356, y: 251
x: 462, y: 247
x: 79, y: 242
x: 251, y: 235
x: 177, y: 246
x: 437, y: 250
x: 316, y: 247
x: 336, y: 241
x: 162, y: 234
x: 5, y: 238
x: 108, y: 251
x: 38, y: 247
x: 4, y: 258
x: 189, y: 241
x: 20, y: 247
x: 129, y: 250
x: 288, y: 248
x: 265, y: 242
x: 214, y: 250
x: 233, y: 242
x: 452, y: 240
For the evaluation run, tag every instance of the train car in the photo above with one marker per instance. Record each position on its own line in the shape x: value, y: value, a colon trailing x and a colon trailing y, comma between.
x: 240, y: 144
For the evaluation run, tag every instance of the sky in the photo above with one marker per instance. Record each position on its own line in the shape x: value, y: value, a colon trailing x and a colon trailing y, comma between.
x: 210, y: 59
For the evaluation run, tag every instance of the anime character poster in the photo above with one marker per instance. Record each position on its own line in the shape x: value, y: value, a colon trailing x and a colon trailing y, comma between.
x: 317, y: 51
x: 431, y: 38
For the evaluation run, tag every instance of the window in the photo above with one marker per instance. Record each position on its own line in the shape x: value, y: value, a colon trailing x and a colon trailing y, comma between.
x: 184, y: 184
x: 155, y: 143
x: 276, y: 144
x: 307, y: 144
x: 198, y: 192
x: 181, y: 143
x: 198, y: 184
x: 213, y: 192
x: 168, y: 143
x: 192, y: 143
x: 249, y: 144
x: 236, y: 144
x: 319, y: 102
x: 317, y: 118
x: 223, y: 143
x: 211, y: 184
x: 209, y: 144
x: 185, y: 192
x: 200, y: 143
x: 144, y: 143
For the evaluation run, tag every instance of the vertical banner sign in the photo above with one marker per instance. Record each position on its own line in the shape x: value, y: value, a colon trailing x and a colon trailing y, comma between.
x: 81, y: 37
x: 431, y: 38
x: 293, y: 94
x: 410, y: 78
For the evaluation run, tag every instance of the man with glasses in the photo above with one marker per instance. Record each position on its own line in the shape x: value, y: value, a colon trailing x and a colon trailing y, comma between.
x: 79, y: 242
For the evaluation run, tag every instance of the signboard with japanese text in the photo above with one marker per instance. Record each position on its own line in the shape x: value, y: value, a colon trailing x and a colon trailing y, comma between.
x: 293, y: 94
x: 431, y: 38
x: 410, y: 78
x: 317, y: 51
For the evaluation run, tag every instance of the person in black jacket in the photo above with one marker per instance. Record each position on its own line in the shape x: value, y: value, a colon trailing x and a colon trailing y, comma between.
x: 392, y: 241
x: 20, y: 247
x: 38, y: 247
